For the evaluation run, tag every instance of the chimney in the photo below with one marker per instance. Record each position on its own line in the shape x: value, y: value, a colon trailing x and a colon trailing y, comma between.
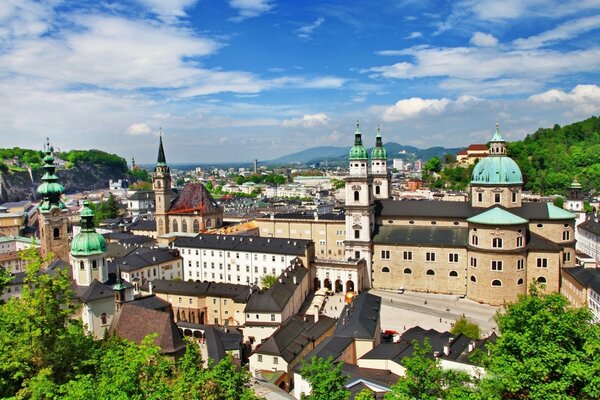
x: 316, y: 313
x: 150, y: 287
x: 471, y: 346
x: 447, y: 348
x: 295, y: 280
x: 280, y: 280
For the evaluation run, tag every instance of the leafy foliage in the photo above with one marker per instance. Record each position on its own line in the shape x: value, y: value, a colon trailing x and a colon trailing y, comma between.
x: 547, y: 350
x: 31, y: 157
x: 267, y: 281
x: 96, y: 157
x: 105, y: 209
x: 467, y: 328
x: 325, y: 378
x: 140, y: 174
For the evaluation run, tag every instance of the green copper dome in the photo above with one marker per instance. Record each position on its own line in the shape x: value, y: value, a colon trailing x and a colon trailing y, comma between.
x: 358, y: 151
x: 497, y: 168
x: 88, y: 241
x: 378, y: 152
x: 50, y: 189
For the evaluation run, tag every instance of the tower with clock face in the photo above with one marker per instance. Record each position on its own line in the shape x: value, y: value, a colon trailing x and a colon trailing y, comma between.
x: 360, y: 204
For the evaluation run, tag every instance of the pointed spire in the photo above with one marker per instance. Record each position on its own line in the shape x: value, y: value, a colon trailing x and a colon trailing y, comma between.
x: 497, y: 136
x: 378, y: 152
x: 161, y: 152
x: 119, y: 286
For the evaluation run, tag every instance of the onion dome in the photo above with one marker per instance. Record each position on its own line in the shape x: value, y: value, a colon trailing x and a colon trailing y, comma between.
x: 497, y: 168
x: 87, y: 241
x: 50, y: 189
x: 358, y: 151
x: 378, y: 152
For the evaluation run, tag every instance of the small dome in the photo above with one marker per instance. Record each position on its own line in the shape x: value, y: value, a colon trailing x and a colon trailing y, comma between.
x: 496, y: 170
x: 379, y: 153
x: 50, y: 188
x: 87, y: 243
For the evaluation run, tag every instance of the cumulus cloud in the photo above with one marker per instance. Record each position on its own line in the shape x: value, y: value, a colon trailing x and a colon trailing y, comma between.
x: 250, y: 8
x: 413, y: 107
x: 307, y: 121
x: 582, y: 100
x: 306, y: 31
x: 481, y: 39
x: 138, y: 129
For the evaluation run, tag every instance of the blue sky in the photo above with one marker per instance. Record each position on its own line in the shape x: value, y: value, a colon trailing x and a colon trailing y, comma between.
x: 242, y: 79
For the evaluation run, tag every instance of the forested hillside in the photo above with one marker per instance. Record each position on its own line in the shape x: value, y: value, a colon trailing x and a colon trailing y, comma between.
x: 551, y: 158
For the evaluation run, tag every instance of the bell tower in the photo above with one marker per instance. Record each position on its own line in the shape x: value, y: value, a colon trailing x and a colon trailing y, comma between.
x: 381, y: 174
x: 161, y: 183
x: 53, y: 223
x: 88, y: 251
x: 360, y: 204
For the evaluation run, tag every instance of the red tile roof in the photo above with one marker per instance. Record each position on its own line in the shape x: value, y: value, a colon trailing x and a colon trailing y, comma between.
x: 478, y: 147
x: 194, y: 198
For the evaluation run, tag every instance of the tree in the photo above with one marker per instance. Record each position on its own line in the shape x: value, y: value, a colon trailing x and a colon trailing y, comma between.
x: 467, y: 328
x: 365, y: 394
x: 433, y: 165
x: 209, y: 186
x: 267, y: 281
x: 547, y: 350
x: 424, y: 379
x: 5, y: 278
x: 559, y: 201
x: 325, y: 378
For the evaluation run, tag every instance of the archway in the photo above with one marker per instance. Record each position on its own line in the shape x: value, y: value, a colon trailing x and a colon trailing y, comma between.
x: 327, y: 283
x: 349, y: 286
x: 339, y: 287
x: 317, y: 283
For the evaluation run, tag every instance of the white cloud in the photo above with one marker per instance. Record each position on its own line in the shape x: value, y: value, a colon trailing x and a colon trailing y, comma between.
x: 23, y: 18
x: 413, y: 107
x: 414, y: 35
x: 138, y: 129
x: 581, y: 100
x: 481, y: 39
x: 169, y: 9
x: 250, y: 8
x: 307, y: 121
x: 306, y: 31
x: 565, y: 31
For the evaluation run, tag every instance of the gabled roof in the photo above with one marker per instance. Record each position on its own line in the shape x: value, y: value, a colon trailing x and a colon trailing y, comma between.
x: 142, y: 195
x: 559, y: 213
x: 293, y: 336
x: 478, y: 147
x: 590, y: 225
x: 360, y: 319
x: 135, y: 323
x: 540, y: 243
x: 142, y: 257
x: 95, y: 291
x: 497, y: 216
x: 143, y: 225
x: 245, y: 243
x: 452, y: 236
x: 194, y: 198
x: 588, y: 277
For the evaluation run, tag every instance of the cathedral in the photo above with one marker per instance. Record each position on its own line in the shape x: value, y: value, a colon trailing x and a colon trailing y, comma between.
x: 489, y: 249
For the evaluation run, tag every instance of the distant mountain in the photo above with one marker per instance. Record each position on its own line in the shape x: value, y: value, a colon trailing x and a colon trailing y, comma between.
x: 339, y: 154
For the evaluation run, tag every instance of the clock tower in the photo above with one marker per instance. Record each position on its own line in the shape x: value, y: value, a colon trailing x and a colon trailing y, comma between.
x: 161, y: 183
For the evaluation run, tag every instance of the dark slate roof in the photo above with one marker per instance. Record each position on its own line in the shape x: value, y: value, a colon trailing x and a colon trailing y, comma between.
x: 128, y: 238
x: 96, y: 291
x: 18, y: 278
x: 423, y: 208
x: 135, y: 323
x: 380, y: 377
x: 58, y: 265
x: 143, y: 257
x: 311, y: 215
x: 143, y: 225
x: 452, y: 236
x: 116, y: 250
x: 333, y: 346
x: 588, y: 277
x: 293, y: 336
x: 279, y: 294
x: 360, y: 318
x: 539, y: 243
x: 218, y: 342
x: 142, y: 195
x: 239, y: 293
x: 245, y: 243
x: 590, y: 225
x: 194, y: 197
x: 152, y: 302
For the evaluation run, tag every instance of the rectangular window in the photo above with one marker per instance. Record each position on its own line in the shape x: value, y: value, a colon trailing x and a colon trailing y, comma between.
x: 497, y: 243
x: 520, y: 265
x: 385, y: 254
x: 453, y: 257
x: 566, y: 235
x: 514, y: 197
x: 407, y: 255
x: 566, y: 257
x: 473, y: 262
x: 272, y: 317
x: 496, y: 197
x: 496, y: 265
x: 321, y: 242
x: 474, y: 240
x: 214, y: 301
x: 430, y: 256
x: 542, y: 263
x: 275, y: 360
x: 480, y: 197
x: 356, y: 234
x: 520, y: 241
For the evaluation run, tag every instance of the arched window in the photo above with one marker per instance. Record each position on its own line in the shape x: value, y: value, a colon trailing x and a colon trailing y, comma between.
x: 385, y: 269
x: 356, y: 195
x: 407, y: 271
x: 453, y: 274
x: 377, y: 190
x: 208, y: 223
x: 104, y: 319
x: 520, y: 282
x: 196, y: 226
x: 183, y: 226
x: 175, y: 226
x: 94, y: 264
x: 473, y: 279
x: 541, y: 279
x: 496, y: 282
x: 430, y: 272
x: 56, y: 233
x: 81, y: 265
x: 497, y: 243
x: 474, y: 240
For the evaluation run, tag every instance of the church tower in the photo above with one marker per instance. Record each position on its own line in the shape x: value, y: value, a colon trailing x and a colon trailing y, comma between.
x: 360, y: 204
x: 379, y: 169
x: 574, y: 201
x: 88, y: 251
x: 161, y: 183
x: 53, y: 223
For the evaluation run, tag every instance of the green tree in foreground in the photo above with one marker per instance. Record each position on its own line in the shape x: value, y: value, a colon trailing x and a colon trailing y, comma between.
x: 424, y: 379
x: 467, y: 328
x: 547, y: 350
x: 267, y: 281
x: 325, y: 378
